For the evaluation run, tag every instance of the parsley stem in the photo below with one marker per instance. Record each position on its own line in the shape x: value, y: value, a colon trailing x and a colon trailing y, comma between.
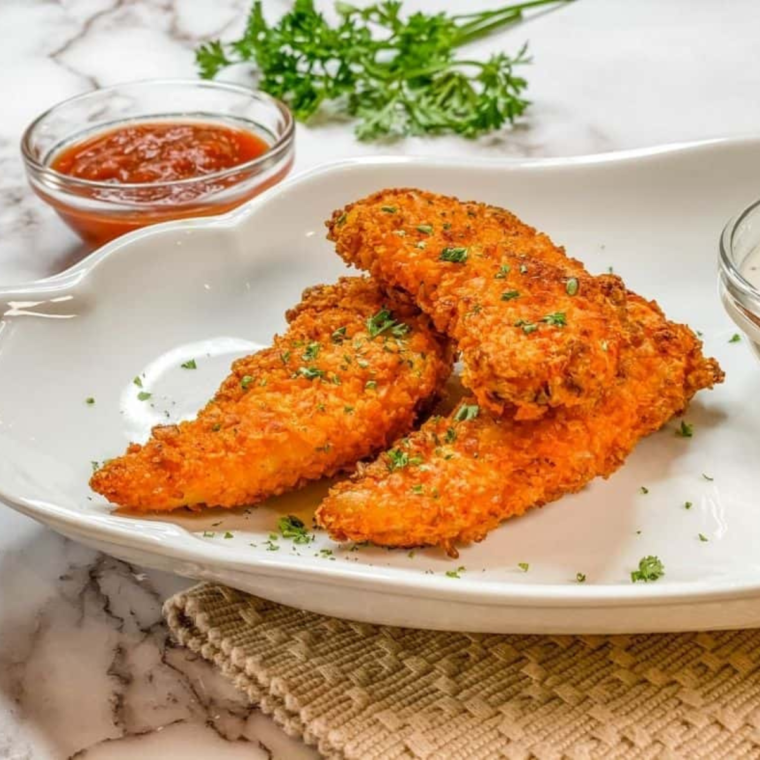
x: 514, y: 8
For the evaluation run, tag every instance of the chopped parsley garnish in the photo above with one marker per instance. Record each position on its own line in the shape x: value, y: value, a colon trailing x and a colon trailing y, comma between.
x: 735, y: 338
x: 189, y: 364
x: 467, y: 412
x: 342, y: 219
x: 685, y: 431
x: 447, y: 225
x: 362, y: 363
x: 450, y: 436
x: 137, y: 381
x: 703, y: 537
x: 508, y: 295
x: 707, y: 477
x: 527, y: 327
x: 572, y: 286
x: 688, y: 505
x: 144, y: 395
x: 370, y: 385
x: 557, y: 319
x: 523, y: 269
x: 245, y: 381
x: 285, y: 357
x: 644, y: 490
x: 422, y: 245
x: 311, y: 352
x: 455, y: 573
x: 425, y: 229
x: 95, y: 465
x: 310, y: 373
x: 338, y: 335
x: 524, y: 566
x: 389, y: 209
x: 325, y: 552
x: 650, y: 569
x: 216, y: 427
x: 580, y: 577
x: 208, y: 534
x: 89, y: 401
x: 454, y: 255
x: 398, y: 459
x: 504, y: 270
x: 383, y: 322
x: 348, y: 409
x: 227, y: 534
x: 293, y: 527
x: 418, y: 489
x: 271, y: 546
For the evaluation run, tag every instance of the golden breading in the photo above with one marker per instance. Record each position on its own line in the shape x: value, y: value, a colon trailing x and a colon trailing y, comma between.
x: 350, y: 375
x: 535, y: 330
x: 458, y: 477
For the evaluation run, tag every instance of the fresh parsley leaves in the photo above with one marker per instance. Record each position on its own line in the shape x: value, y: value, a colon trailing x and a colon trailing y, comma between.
x: 686, y: 430
x: 396, y: 75
x: 650, y: 569
x: 294, y: 528
x: 398, y: 459
x: 558, y: 319
x: 383, y: 322
x: 454, y: 255
x: 466, y: 412
x: 310, y: 373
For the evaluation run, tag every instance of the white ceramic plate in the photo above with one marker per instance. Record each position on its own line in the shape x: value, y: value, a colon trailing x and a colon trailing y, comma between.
x: 215, y: 289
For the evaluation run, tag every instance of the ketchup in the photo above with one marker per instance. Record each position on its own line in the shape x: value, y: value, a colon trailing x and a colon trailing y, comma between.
x: 158, y: 153
x: 137, y: 161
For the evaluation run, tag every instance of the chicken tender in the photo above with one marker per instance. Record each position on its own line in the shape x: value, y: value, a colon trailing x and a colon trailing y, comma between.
x: 457, y: 478
x: 351, y: 374
x: 535, y: 330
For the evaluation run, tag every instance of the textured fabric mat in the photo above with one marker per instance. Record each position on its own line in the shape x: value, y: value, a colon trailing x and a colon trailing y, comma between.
x: 359, y: 691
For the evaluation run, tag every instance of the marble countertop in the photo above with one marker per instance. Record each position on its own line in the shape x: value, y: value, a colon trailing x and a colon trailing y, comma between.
x: 86, y: 666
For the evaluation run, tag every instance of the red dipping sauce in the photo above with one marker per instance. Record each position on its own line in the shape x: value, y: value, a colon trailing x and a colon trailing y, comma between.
x: 158, y: 153
x: 153, y: 172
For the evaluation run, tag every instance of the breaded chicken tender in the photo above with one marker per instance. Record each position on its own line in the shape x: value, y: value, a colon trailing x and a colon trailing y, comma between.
x: 535, y: 330
x: 457, y: 478
x: 351, y: 374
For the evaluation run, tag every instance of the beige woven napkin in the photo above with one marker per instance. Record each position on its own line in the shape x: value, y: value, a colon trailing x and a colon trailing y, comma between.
x: 362, y: 691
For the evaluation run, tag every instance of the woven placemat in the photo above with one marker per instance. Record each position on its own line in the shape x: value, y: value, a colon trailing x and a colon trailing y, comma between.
x: 359, y: 691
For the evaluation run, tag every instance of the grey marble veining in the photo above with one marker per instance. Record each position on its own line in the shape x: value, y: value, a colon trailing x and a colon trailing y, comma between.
x: 86, y: 666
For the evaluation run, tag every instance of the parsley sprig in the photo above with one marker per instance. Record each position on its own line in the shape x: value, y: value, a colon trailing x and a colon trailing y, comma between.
x: 397, y: 76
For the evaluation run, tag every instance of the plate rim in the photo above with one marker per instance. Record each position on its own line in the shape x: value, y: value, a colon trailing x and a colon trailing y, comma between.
x: 394, y: 580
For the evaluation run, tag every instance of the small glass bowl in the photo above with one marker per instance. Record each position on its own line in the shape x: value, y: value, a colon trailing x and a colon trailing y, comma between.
x: 740, y: 272
x: 101, y: 211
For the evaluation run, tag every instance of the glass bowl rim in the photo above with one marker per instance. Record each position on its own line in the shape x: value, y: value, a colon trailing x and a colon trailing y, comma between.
x: 728, y: 265
x: 273, y: 155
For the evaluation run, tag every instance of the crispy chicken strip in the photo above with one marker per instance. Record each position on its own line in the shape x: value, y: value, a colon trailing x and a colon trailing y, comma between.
x: 457, y: 478
x: 350, y: 375
x: 535, y: 330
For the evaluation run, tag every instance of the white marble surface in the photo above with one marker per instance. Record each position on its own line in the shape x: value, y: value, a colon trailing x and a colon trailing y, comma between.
x: 86, y: 668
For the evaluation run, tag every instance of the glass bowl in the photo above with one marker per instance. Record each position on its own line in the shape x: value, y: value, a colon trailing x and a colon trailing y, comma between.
x: 740, y: 272
x: 100, y: 211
